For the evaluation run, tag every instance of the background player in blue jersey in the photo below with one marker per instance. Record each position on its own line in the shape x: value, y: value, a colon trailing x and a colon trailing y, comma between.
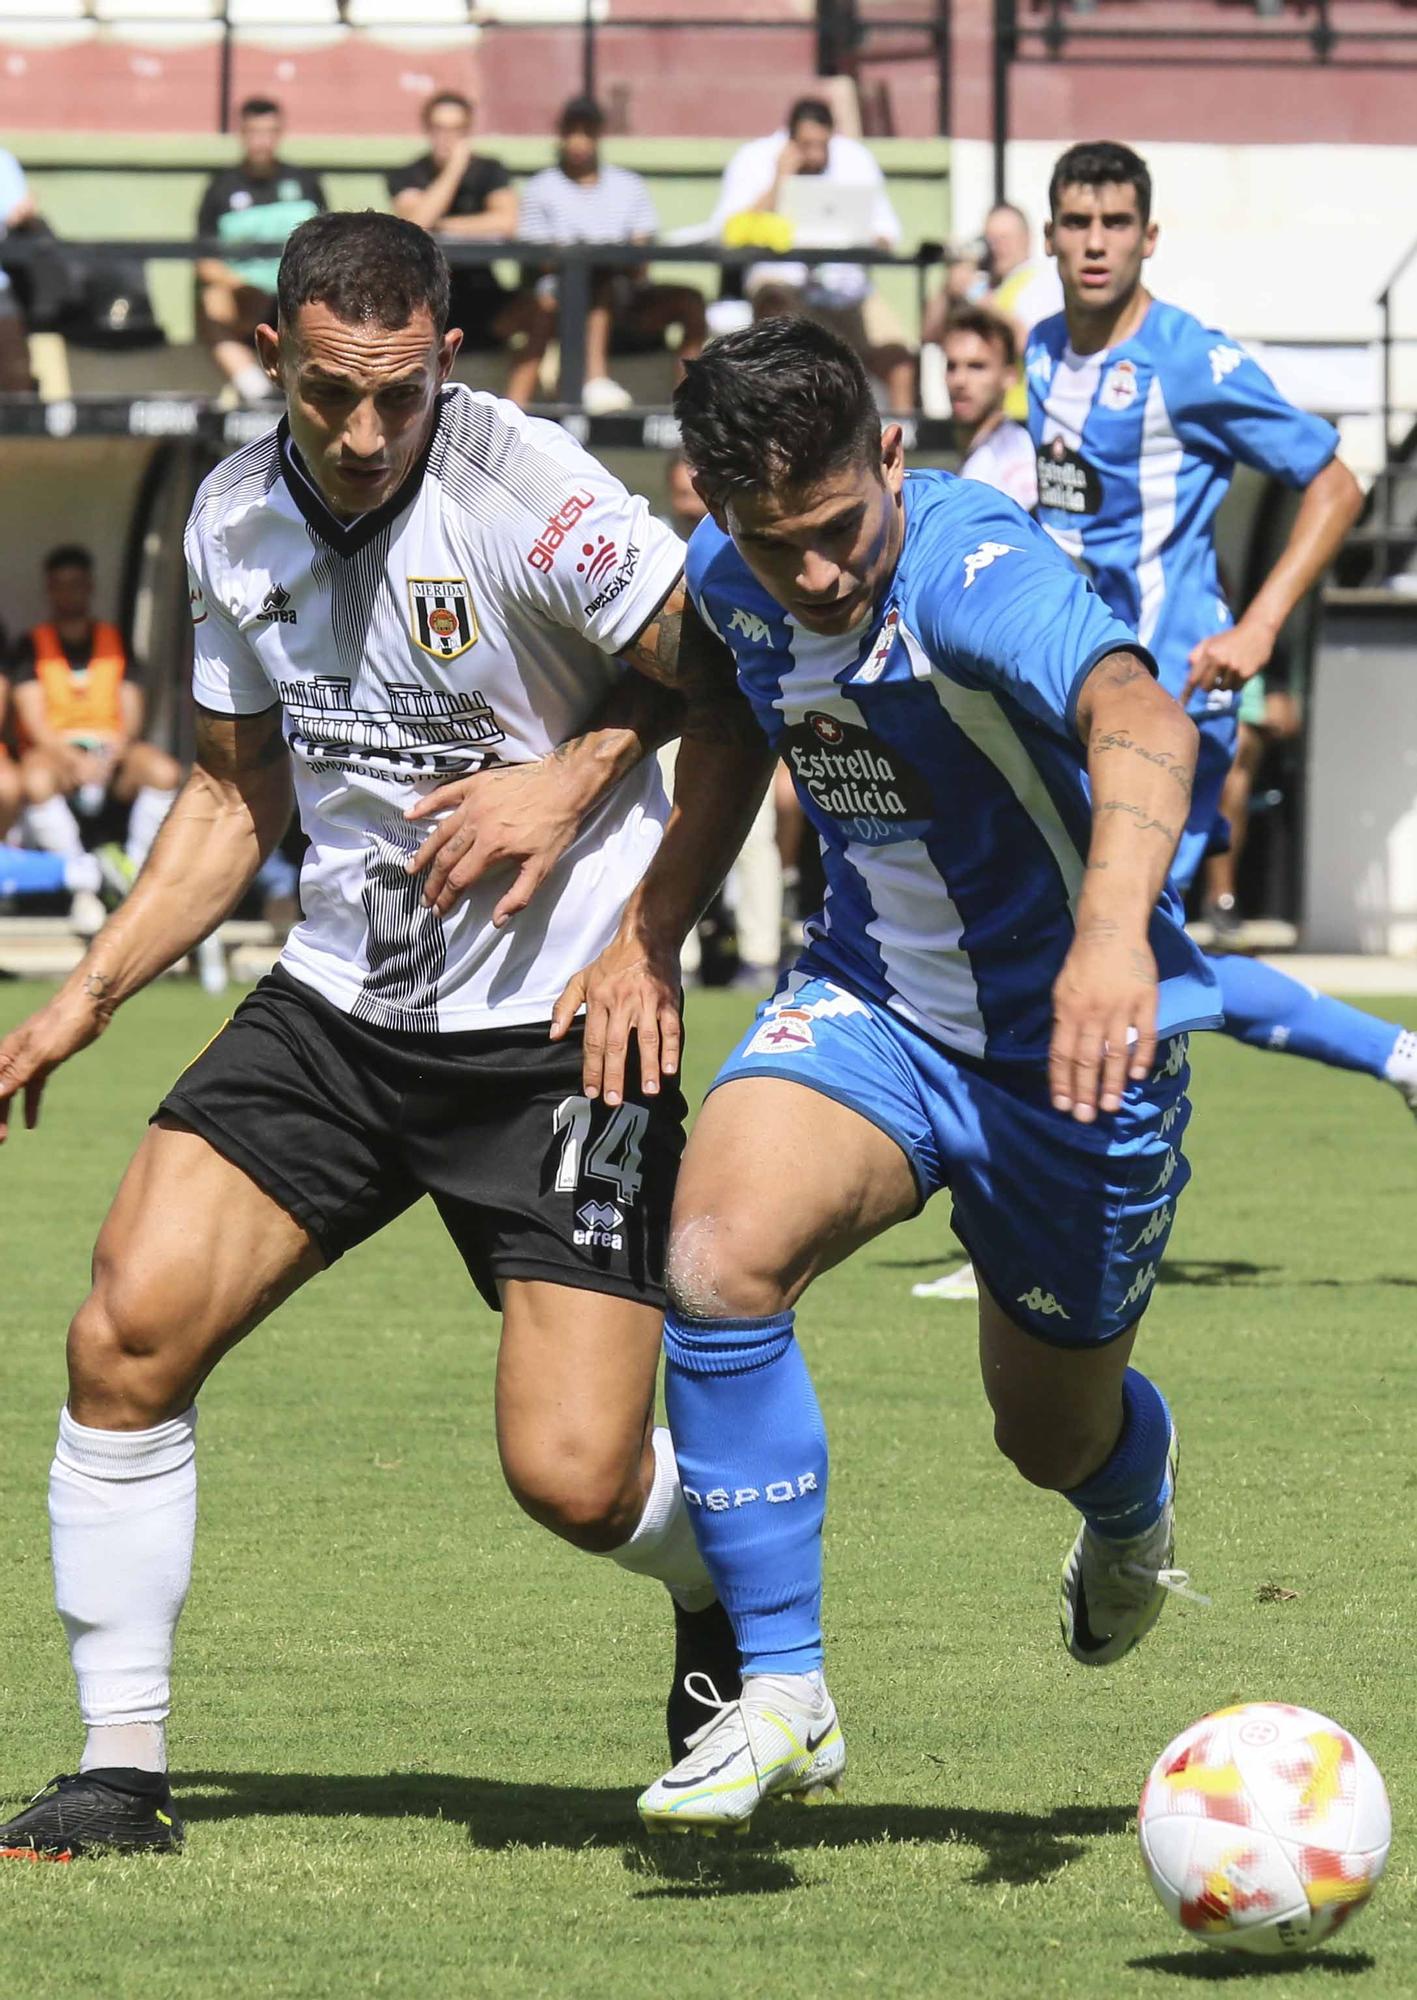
x: 995, y: 999
x: 1139, y: 414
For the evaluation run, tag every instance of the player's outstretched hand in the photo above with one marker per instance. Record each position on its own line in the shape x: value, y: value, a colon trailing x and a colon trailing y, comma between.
x: 1228, y: 659
x: 29, y: 1052
x: 1104, y: 1023
x: 513, y: 816
x: 632, y: 989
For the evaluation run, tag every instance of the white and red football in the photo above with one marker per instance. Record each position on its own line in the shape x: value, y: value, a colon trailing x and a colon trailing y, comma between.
x: 1263, y: 1828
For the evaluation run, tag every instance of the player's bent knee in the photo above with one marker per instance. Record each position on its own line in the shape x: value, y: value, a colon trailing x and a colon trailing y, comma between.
x: 124, y: 1373
x: 594, y: 1507
x: 716, y: 1270
x: 1050, y: 1455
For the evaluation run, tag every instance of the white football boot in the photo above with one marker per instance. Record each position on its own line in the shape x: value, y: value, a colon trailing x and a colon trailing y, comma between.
x: 780, y: 1740
x: 1113, y: 1592
x: 1401, y: 1069
x: 960, y: 1285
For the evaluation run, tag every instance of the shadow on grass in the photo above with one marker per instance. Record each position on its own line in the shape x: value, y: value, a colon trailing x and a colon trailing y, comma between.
x: 1217, y: 1965
x: 1012, y: 1847
x: 1206, y: 1272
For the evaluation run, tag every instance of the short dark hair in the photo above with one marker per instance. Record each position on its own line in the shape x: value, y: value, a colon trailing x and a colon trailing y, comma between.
x: 580, y: 111
x: 810, y: 111
x: 364, y: 266
x: 68, y: 555
x: 1101, y: 163
x: 259, y: 107
x: 453, y: 97
x: 988, y: 325
x: 776, y: 405
x: 1009, y: 208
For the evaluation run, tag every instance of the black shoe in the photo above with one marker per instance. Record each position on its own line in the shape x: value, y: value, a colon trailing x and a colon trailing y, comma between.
x: 703, y: 1645
x: 1226, y: 923
x: 91, y: 1811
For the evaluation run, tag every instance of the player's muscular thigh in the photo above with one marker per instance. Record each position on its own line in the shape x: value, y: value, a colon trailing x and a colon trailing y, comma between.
x: 778, y: 1184
x: 191, y: 1256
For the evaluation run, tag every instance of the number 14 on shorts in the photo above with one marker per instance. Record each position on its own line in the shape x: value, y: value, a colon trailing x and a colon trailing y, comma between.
x: 612, y: 1156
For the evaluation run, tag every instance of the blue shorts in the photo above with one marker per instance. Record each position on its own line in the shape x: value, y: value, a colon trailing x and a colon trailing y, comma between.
x: 1066, y: 1223
x: 1206, y: 830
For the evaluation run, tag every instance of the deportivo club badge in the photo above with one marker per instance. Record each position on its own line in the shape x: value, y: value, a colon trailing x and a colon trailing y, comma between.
x: 444, y: 622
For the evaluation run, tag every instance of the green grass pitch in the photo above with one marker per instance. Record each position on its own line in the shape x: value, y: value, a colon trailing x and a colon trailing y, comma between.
x: 410, y: 1725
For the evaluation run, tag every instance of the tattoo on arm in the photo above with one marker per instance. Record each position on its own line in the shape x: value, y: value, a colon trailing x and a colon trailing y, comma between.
x: 1118, y: 739
x: 1121, y: 669
x: 1145, y: 824
x: 679, y: 650
x: 233, y: 747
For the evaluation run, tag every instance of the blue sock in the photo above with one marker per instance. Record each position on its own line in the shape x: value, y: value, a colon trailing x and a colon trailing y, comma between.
x: 1269, y: 1010
x: 1127, y: 1492
x: 26, y: 872
x: 752, y: 1455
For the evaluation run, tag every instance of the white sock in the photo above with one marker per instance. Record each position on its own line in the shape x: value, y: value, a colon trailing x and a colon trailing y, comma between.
x: 1401, y: 1065
x: 663, y: 1544
x: 146, y: 814
x: 53, y: 827
x: 82, y: 874
x: 123, y: 1514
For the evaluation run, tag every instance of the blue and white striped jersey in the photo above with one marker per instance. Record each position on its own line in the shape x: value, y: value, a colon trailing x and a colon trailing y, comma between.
x: 935, y: 750
x: 1136, y: 449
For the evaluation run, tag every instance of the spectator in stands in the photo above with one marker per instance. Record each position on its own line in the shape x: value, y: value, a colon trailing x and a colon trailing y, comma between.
x: 17, y: 211
x: 981, y: 363
x: 260, y: 200
x: 1001, y: 272
x: 582, y: 199
x: 78, y: 720
x: 839, y: 296
x: 461, y: 196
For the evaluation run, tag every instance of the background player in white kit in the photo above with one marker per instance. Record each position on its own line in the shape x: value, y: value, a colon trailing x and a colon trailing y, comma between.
x: 981, y: 366
x: 405, y: 583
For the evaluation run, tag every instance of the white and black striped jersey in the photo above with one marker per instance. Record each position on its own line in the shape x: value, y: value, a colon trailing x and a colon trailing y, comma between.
x: 472, y: 619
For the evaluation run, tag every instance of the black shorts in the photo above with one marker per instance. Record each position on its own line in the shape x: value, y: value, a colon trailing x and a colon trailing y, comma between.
x: 346, y: 1126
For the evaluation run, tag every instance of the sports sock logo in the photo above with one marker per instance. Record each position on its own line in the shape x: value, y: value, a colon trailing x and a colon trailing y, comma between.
x: 721, y: 1500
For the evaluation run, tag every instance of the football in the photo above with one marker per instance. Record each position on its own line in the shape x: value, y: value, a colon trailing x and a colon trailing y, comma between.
x: 1263, y: 1828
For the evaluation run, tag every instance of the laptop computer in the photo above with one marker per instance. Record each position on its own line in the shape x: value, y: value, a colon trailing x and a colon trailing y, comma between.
x: 825, y: 215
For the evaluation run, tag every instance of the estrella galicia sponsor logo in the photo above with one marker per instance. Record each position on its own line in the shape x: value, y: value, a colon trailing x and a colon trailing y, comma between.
x: 852, y: 776
x: 276, y: 607
x: 543, y: 551
x: 722, y: 1499
x: 443, y: 620
x: 619, y: 583
x: 600, y: 1228
x: 1066, y: 482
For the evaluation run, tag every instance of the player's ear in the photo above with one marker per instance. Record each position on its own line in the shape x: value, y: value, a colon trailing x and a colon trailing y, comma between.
x: 1149, y: 236
x: 720, y: 519
x: 1048, y: 238
x: 268, y: 350
x: 448, y: 352
x: 892, y: 458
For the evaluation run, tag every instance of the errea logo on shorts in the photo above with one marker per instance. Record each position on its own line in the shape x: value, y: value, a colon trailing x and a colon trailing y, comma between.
x: 983, y: 556
x: 600, y: 1226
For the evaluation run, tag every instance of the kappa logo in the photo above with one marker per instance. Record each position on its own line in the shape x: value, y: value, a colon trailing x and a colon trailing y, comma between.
x: 722, y: 1499
x: 1174, y: 1061
x: 1141, y: 1284
x: 1039, y: 1301
x: 1167, y: 1174
x: 601, y: 1223
x: 1224, y: 361
x: 275, y: 607
x: 1157, y: 1224
x: 1169, y: 1117
x: 542, y: 553
x: 1040, y: 365
x: 752, y: 627
x: 983, y: 556
x: 443, y: 620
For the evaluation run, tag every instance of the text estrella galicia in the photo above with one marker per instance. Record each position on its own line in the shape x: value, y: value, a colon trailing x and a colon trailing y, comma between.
x: 444, y: 622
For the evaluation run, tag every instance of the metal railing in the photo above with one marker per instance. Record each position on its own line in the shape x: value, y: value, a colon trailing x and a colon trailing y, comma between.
x: 574, y: 265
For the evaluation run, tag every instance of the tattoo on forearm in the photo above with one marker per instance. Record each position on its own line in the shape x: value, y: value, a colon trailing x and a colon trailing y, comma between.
x: 1145, y: 823
x: 1118, y: 739
x: 1120, y: 669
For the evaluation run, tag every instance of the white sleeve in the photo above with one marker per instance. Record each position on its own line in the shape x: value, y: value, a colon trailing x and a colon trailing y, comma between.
x: 603, y: 564
x: 226, y: 675
x: 747, y: 176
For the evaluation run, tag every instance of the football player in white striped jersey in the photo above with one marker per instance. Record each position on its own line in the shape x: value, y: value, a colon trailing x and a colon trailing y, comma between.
x: 414, y: 602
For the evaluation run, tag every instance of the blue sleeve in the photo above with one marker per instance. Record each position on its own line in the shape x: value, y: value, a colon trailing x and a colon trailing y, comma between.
x: 704, y: 544
x: 1221, y: 400
x: 1003, y: 611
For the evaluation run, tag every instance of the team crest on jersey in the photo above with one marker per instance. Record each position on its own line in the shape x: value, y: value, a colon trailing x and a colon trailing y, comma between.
x: 1119, y: 391
x: 443, y: 620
